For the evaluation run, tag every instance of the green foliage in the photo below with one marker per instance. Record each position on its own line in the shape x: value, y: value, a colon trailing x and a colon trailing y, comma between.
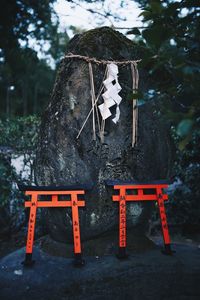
x: 20, y: 133
x: 7, y: 175
x: 171, y: 46
x: 23, y: 19
x: 184, y: 127
x: 32, y: 80
x: 17, y: 136
x: 171, y: 56
x: 184, y: 206
x: 26, y: 81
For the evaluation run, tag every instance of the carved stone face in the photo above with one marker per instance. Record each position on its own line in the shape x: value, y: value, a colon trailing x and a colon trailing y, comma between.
x: 63, y: 160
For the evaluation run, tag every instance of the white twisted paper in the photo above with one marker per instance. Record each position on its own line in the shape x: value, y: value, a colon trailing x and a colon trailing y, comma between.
x: 111, y: 96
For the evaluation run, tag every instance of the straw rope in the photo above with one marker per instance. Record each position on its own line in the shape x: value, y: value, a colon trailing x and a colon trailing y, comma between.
x: 102, y: 61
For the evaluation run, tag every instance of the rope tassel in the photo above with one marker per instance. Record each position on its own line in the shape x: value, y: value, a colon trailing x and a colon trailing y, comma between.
x: 135, y: 80
x: 93, y: 98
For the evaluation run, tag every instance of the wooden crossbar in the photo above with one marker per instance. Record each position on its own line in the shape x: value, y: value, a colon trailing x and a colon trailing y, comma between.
x: 38, y: 193
x: 139, y: 197
x: 54, y: 204
x: 140, y: 186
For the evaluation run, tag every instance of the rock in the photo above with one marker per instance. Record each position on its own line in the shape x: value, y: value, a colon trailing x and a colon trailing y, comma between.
x: 63, y: 160
x: 106, y: 244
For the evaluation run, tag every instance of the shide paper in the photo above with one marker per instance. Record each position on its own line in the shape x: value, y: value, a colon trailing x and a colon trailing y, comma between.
x: 111, y: 96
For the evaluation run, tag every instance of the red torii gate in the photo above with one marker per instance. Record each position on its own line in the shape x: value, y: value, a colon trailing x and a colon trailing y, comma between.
x: 54, y: 192
x: 139, y: 194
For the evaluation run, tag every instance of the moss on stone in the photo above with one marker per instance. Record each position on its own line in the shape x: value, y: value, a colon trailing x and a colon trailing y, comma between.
x: 97, y: 43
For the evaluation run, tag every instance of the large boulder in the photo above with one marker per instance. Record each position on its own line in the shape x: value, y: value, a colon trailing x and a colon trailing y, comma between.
x: 63, y: 160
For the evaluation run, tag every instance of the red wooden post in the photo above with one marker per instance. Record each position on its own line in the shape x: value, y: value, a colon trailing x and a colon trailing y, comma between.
x: 31, y: 229
x: 76, y: 231
x: 122, y: 223
x: 163, y: 219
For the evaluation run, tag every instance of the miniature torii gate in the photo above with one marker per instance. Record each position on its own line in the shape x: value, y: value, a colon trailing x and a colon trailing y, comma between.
x: 54, y: 192
x: 140, y: 195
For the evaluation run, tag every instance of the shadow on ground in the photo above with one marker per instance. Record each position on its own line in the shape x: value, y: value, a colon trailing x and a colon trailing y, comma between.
x: 148, y: 275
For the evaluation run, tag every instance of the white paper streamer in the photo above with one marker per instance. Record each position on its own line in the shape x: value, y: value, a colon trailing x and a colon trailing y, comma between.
x: 111, y: 96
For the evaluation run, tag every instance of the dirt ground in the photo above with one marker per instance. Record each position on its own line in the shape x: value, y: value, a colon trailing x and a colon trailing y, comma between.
x: 143, y: 276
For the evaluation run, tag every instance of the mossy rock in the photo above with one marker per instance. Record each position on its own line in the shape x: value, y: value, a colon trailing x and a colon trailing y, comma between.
x: 62, y: 159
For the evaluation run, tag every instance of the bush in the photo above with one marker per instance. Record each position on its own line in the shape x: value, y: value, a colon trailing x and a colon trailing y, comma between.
x: 17, y: 139
x: 184, y: 205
